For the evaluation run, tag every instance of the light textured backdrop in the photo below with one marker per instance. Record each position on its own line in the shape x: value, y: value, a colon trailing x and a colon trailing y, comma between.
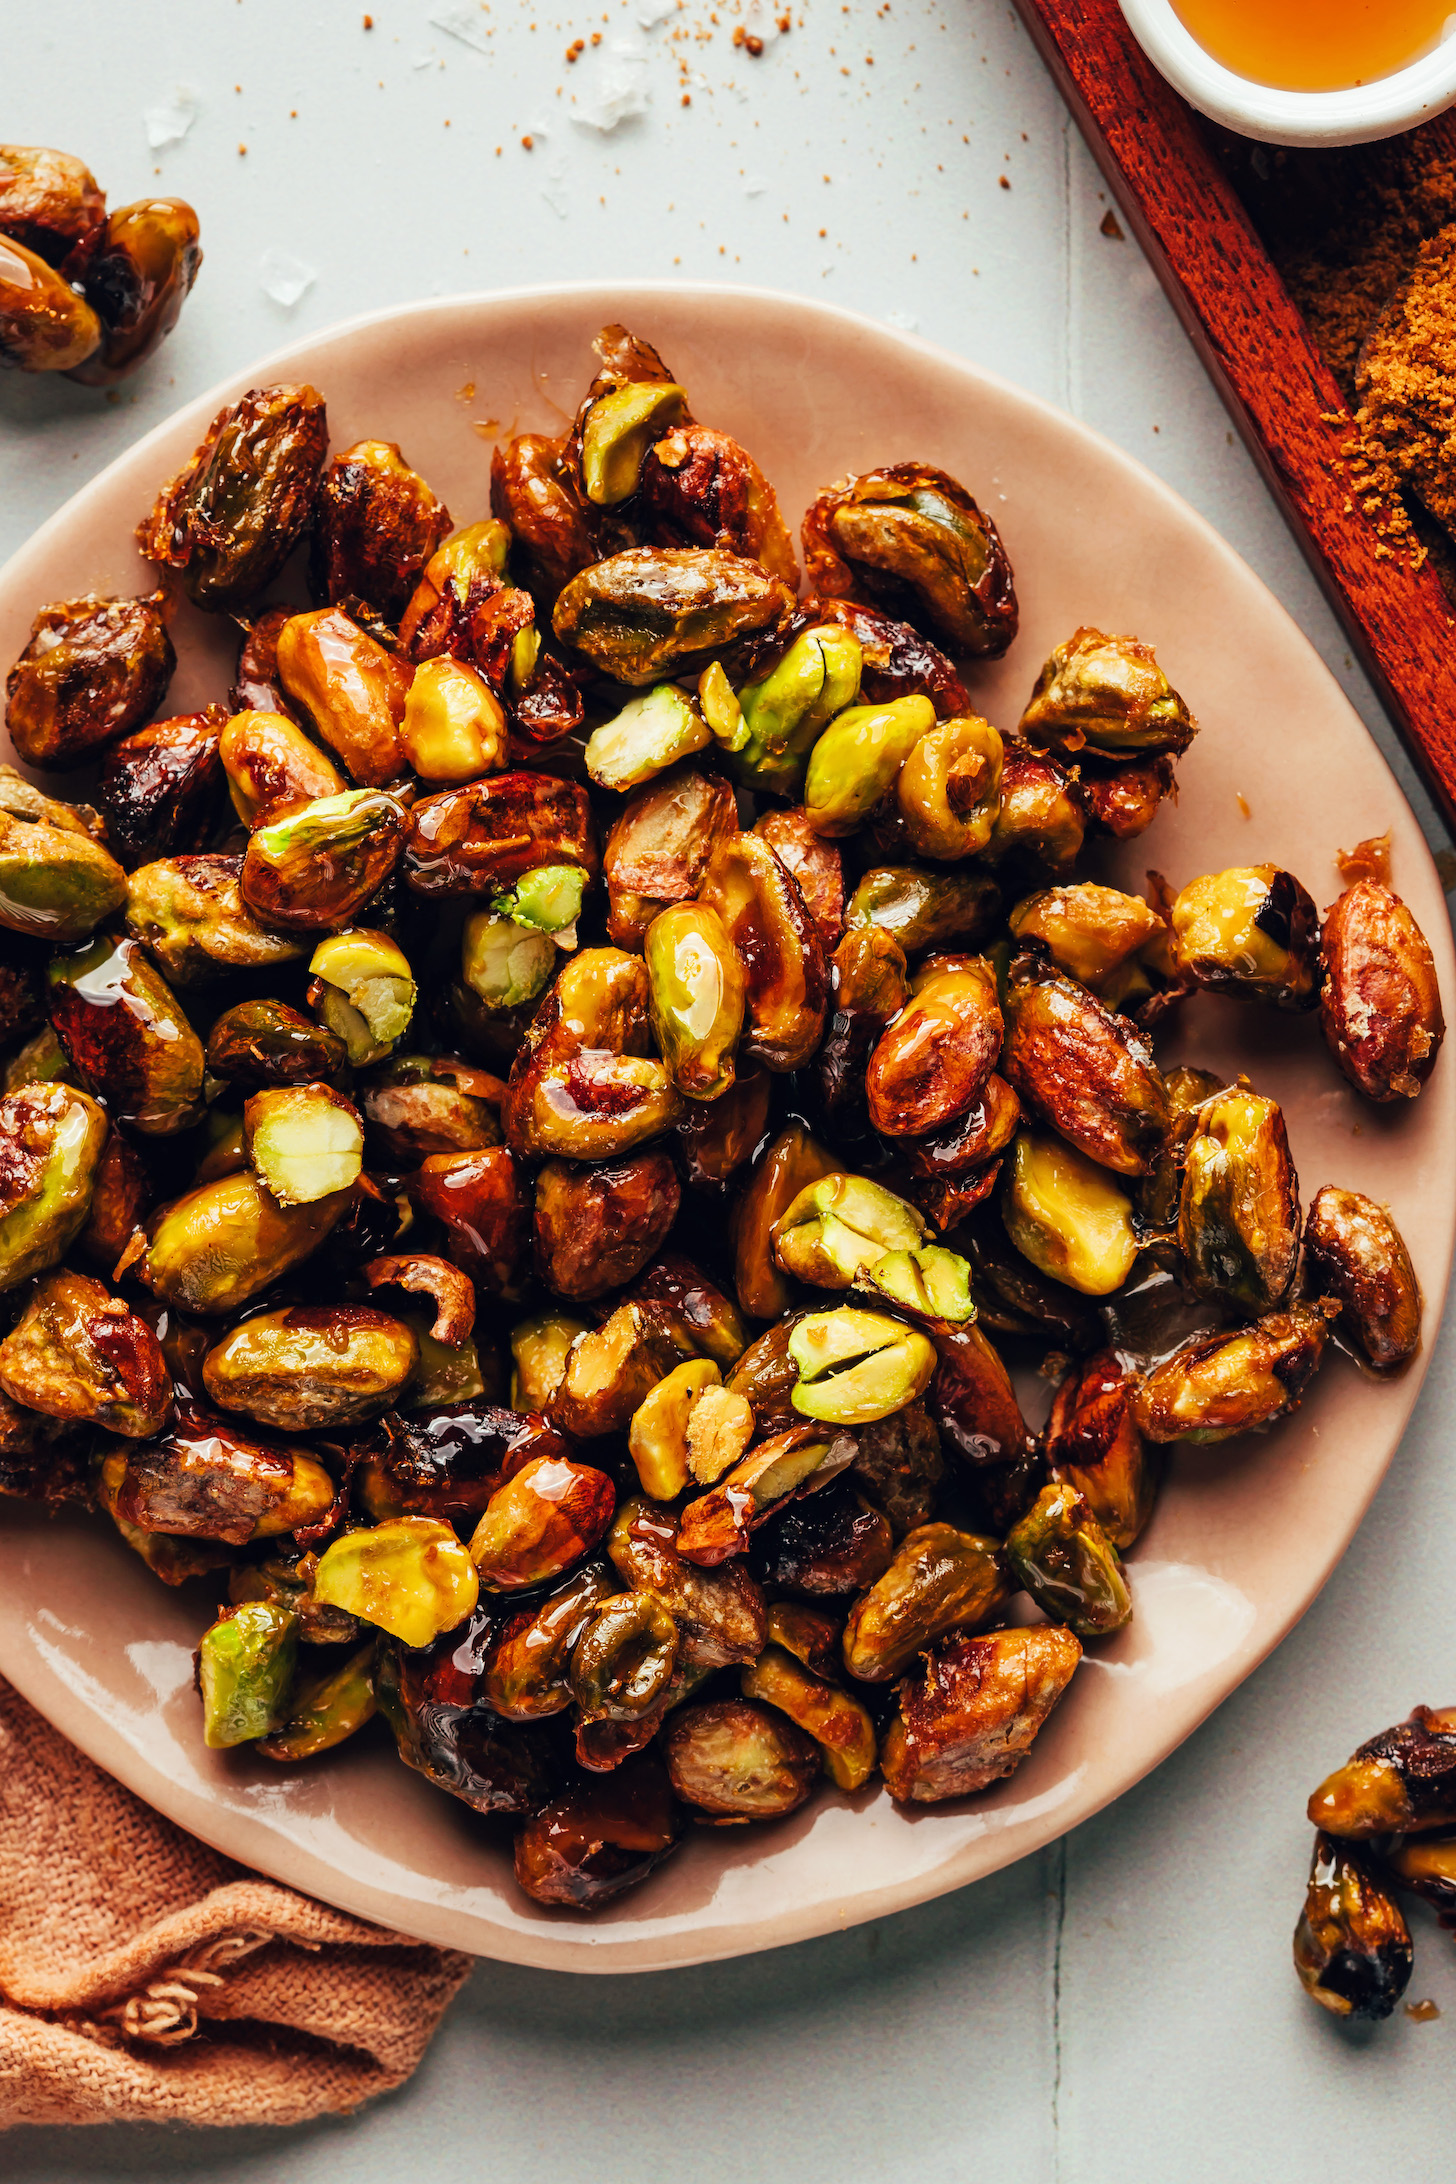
x: 1122, y: 2006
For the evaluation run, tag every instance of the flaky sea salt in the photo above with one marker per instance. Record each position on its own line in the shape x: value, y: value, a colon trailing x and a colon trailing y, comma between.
x: 620, y: 92
x: 168, y: 124
x: 464, y: 22
x: 905, y: 320
x: 285, y: 278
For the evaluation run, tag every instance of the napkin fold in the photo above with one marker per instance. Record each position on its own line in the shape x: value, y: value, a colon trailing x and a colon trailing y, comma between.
x: 145, y: 1977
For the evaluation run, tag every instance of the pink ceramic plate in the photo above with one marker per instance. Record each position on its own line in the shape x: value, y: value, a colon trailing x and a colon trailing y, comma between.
x: 1244, y: 1536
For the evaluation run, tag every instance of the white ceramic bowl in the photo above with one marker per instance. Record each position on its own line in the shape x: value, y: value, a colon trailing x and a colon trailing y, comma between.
x: 1357, y: 116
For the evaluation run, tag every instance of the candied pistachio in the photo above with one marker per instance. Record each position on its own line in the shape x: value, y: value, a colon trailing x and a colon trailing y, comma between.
x: 312, y: 869
x: 364, y: 990
x: 310, y: 1366
x: 526, y: 1676
x: 657, y: 1430
x: 1427, y: 1866
x: 972, y: 1400
x: 416, y: 1106
x: 136, y: 279
x: 591, y: 1105
x: 717, y: 1137
x: 603, y: 1834
x: 611, y: 1370
x: 375, y: 526
x: 869, y: 985
x: 838, y: 1724
x: 55, y: 884
x: 1094, y: 1445
x: 1069, y: 1566
x: 504, y: 963
x: 940, y: 1580
x: 44, y: 325
x: 539, y: 1348
x: 158, y: 790
x: 700, y: 488
x: 448, y: 1463
x: 1121, y: 797
x: 244, y: 1667
x: 841, y: 1225
x: 536, y: 493
x: 856, y: 761
x: 898, y: 1465
x: 1251, y: 932
x: 650, y: 734
x: 719, y: 1428
x: 928, y: 1283
x: 1238, y: 1215
x: 1217, y: 1385
x: 785, y: 976
x: 480, y: 1201
x: 324, y: 1711
x: 207, y: 1479
x: 1354, y: 1252
x: 189, y: 913
x: 923, y: 910
x: 42, y: 1060
x: 785, y: 709
x: 256, y: 687
x: 454, y: 725
x: 304, y: 1141
x: 932, y: 1060
x: 212, y: 1250
x: 261, y: 1043
x: 697, y: 994
x: 1068, y: 1215
x: 828, y: 1543
x: 1092, y: 933
x: 51, y: 1139
x: 350, y: 691
x: 719, y: 1612
x: 270, y: 763
x: 680, y: 1299
x: 970, y: 1715
x: 656, y: 610
x: 544, y: 1518
x: 1109, y: 693
x: 718, y: 1524
x: 1403, y: 1778
x: 126, y: 1036
x: 857, y: 1366
x: 624, y: 1658
x: 658, y: 850
x: 1042, y: 818
x: 619, y: 428
x: 469, y: 567
x: 21, y: 799
x: 794, y: 1160
x: 1380, y: 1007
x: 1086, y: 1071
x: 912, y: 539
x: 972, y: 1139
x: 78, y: 1353
x: 432, y: 1700
x: 121, y: 1195
x: 233, y: 514
x: 1352, y: 1947
x: 815, y: 865
x: 738, y: 1761
x: 479, y: 839
x: 949, y: 789
x: 547, y: 900
x: 596, y: 1228
x: 409, y: 1576
x: 50, y: 201
x: 94, y: 670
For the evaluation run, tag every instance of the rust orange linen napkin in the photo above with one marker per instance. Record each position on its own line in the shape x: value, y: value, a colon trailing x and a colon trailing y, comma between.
x: 144, y: 1977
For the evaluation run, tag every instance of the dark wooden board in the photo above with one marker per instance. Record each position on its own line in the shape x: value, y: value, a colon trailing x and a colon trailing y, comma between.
x: 1183, y: 209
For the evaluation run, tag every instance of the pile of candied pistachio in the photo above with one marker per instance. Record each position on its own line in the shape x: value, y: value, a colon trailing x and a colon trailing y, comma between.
x: 619, y: 985
x: 1386, y: 1822
x: 84, y: 291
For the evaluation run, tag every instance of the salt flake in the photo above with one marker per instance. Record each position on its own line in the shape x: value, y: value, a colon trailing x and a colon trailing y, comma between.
x: 462, y: 22
x: 753, y: 187
x: 170, y: 123
x: 621, y: 92
x: 905, y: 320
x: 652, y: 12
x: 285, y: 278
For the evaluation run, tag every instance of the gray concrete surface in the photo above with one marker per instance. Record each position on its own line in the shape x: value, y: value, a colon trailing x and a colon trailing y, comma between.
x: 1120, y: 2007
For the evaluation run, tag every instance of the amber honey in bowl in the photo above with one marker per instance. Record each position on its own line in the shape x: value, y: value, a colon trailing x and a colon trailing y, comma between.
x: 1316, y: 45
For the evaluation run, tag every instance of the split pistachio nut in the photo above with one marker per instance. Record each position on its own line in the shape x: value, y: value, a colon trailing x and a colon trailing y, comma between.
x: 1069, y: 1216
x: 657, y: 1435
x: 505, y: 963
x: 949, y: 789
x: 1354, y: 1252
x: 1217, y: 1385
x: 857, y: 760
x: 1352, y: 1947
x: 1238, y: 1216
x: 927, y: 1283
x: 1107, y: 694
x: 244, y: 1668
x: 784, y: 710
x: 232, y: 515
x: 839, y: 1724
x: 650, y: 734
x: 539, y: 1349
x: 55, y: 884
x: 409, y: 1576
x: 719, y: 1523
x: 304, y: 1142
x: 1251, y: 932
x: 839, y: 1226
x: 697, y: 998
x: 364, y: 990
x: 941, y: 1579
x: 1069, y: 1566
x: 547, y: 900
x: 318, y: 1715
x: 856, y: 1366
x: 51, y: 1141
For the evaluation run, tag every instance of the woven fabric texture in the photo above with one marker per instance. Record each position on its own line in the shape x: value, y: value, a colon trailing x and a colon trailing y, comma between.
x: 144, y: 1977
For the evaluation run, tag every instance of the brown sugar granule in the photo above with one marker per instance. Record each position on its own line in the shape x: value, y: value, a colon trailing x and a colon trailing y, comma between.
x: 576, y: 49
x: 1406, y: 383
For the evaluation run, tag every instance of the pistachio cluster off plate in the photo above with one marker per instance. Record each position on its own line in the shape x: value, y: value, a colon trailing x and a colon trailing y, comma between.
x: 1283, y: 770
